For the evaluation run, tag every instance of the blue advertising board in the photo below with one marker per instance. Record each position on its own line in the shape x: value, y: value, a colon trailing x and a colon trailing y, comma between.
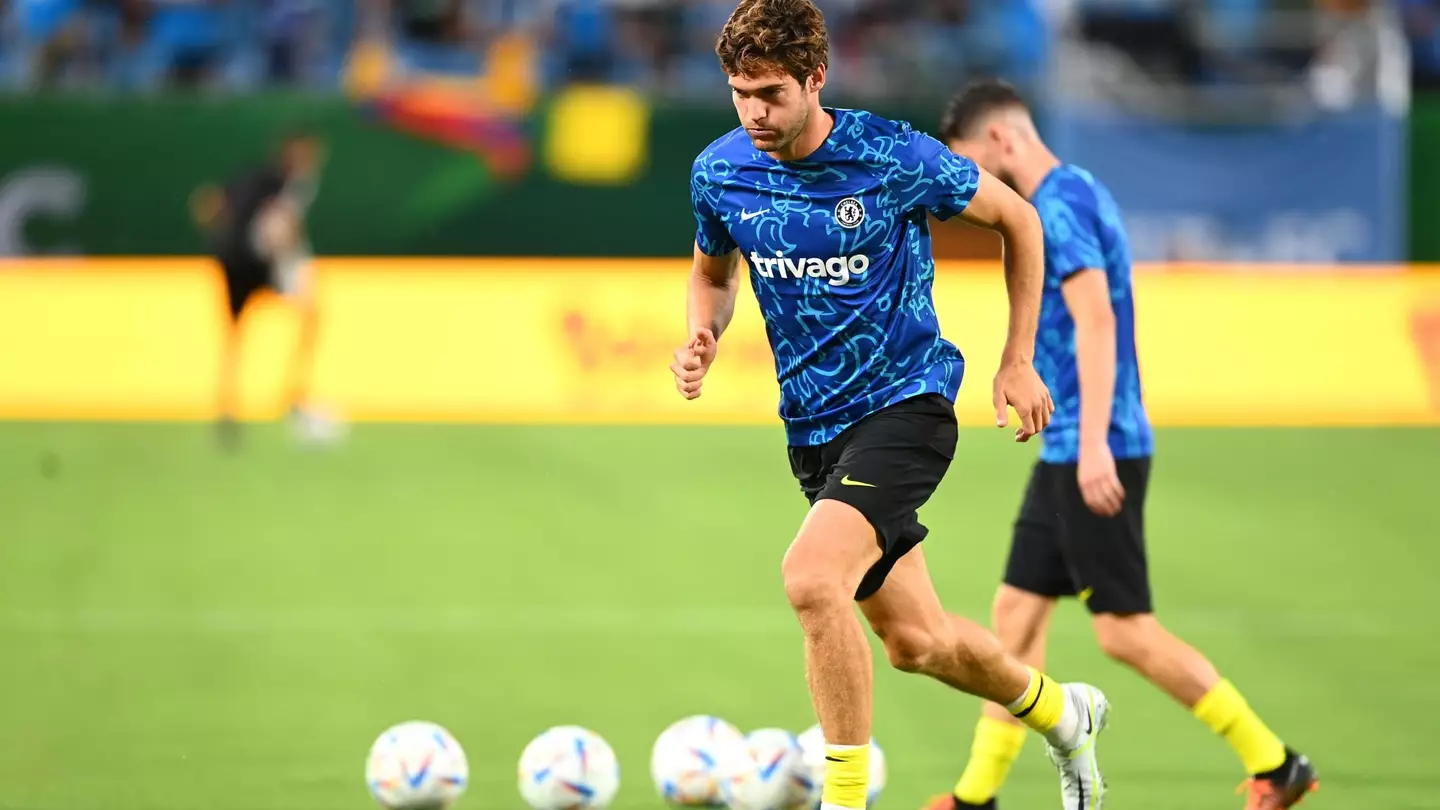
x: 1331, y: 189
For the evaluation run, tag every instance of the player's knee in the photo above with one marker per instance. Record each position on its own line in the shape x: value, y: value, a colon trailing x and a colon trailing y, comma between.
x: 1126, y: 638
x: 811, y: 589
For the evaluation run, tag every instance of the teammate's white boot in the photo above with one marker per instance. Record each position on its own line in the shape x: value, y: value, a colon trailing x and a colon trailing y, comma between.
x: 1081, y: 786
x: 315, y: 427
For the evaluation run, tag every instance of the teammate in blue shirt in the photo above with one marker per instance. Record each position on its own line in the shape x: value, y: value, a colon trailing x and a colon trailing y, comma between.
x: 828, y: 208
x: 1081, y: 528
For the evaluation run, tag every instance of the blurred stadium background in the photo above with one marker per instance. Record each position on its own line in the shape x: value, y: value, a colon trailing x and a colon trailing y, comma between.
x: 526, y: 527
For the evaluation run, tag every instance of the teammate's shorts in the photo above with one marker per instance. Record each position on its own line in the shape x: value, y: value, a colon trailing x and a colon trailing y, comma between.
x: 1061, y: 548
x: 245, y: 275
x: 887, y: 466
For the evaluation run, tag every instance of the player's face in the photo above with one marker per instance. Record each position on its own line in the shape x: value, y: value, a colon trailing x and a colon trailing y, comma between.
x: 774, y: 108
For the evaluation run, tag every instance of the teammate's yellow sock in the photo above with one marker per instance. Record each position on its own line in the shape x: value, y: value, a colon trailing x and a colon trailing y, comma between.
x: 1225, y: 711
x: 1042, y: 705
x: 847, y: 776
x: 996, y: 747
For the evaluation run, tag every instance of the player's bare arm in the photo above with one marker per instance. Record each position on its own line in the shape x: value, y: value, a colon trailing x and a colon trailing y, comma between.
x: 278, y: 227
x: 714, y: 282
x: 1087, y: 296
x: 997, y: 207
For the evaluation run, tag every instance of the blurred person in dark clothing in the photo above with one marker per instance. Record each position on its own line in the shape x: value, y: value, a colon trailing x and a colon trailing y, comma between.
x: 437, y: 22
x: 1158, y: 34
x: 290, y: 29
x: 1422, y: 29
x: 255, y: 227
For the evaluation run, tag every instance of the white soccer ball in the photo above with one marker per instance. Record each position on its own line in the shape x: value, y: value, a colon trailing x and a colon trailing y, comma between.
x: 781, y: 782
x: 416, y: 766
x: 812, y: 766
x: 569, y: 767
x: 700, y: 761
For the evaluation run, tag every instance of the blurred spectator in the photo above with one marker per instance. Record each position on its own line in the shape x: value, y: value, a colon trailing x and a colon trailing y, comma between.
x: 583, y: 40
x: 189, y: 38
x: 1159, y: 35
x: 433, y: 22
x: 291, y: 38
x: 890, y: 49
x: 438, y: 36
x: 57, y: 33
x: 1422, y: 29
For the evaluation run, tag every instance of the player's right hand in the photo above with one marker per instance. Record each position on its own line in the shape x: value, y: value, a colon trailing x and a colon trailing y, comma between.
x: 1019, y: 386
x: 1099, y: 482
x: 692, y: 361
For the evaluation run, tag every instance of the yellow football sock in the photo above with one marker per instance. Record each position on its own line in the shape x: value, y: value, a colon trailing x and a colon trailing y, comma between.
x: 1225, y: 711
x: 847, y: 773
x: 1042, y: 704
x: 996, y: 747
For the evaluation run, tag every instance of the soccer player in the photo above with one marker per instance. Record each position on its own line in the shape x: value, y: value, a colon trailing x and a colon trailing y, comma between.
x: 255, y: 226
x: 828, y: 208
x: 1080, y: 531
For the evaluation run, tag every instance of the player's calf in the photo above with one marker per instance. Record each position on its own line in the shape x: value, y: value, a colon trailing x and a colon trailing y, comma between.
x: 1142, y: 643
x: 1279, y: 776
x: 1021, y: 620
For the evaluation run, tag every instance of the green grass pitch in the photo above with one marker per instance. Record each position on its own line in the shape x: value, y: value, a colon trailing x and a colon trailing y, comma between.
x: 183, y: 629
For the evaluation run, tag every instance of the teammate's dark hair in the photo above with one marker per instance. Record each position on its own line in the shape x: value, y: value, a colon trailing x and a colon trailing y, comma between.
x: 768, y: 35
x: 977, y: 100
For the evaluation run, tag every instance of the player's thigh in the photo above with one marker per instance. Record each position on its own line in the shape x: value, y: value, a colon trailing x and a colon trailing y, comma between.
x: 293, y: 277
x: 1036, y: 563
x: 835, y: 541
x: 830, y: 554
x: 1107, y: 554
x: 890, y: 465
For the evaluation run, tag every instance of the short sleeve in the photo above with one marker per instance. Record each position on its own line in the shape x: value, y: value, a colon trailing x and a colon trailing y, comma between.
x: 939, y: 180
x: 711, y: 235
x: 1072, y: 233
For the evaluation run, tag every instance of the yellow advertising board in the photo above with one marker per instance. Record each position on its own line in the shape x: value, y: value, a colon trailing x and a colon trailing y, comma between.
x: 591, y: 341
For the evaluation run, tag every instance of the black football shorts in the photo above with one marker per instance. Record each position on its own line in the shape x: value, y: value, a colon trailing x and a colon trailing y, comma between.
x: 887, y: 466
x: 245, y: 275
x: 1061, y: 548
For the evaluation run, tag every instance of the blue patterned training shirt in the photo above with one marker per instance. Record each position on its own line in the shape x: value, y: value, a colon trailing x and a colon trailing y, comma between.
x: 838, y: 246
x: 1083, y: 230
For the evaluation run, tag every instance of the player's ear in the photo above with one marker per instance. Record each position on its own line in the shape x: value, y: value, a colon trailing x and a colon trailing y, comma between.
x: 996, y: 134
x: 816, y: 82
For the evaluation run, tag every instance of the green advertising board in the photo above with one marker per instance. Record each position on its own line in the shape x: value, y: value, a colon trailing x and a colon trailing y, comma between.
x: 1425, y: 179
x: 113, y: 177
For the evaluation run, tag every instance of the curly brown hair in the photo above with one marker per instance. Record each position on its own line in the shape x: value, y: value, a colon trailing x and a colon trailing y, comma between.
x: 763, y: 36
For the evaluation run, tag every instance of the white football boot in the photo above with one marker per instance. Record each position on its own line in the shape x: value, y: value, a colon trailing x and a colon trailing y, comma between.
x: 1081, y: 785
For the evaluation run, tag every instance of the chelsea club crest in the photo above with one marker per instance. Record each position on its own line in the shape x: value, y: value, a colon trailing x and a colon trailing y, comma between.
x: 850, y: 212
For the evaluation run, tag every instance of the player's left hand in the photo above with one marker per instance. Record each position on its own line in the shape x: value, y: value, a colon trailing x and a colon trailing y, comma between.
x: 1018, y: 385
x: 1099, y: 482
